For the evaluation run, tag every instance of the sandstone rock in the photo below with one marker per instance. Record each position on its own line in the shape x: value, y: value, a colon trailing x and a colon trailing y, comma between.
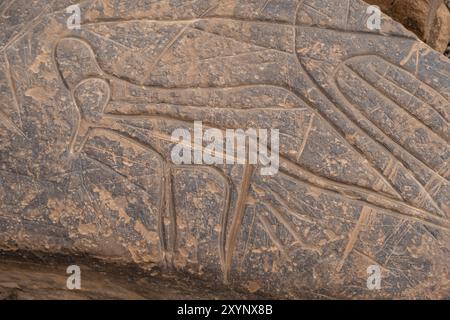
x: 439, y: 36
x: 86, y: 118
x: 24, y: 276
x: 429, y: 19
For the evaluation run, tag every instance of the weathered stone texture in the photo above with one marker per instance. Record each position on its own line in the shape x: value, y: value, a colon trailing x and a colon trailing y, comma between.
x: 86, y: 118
x: 429, y: 19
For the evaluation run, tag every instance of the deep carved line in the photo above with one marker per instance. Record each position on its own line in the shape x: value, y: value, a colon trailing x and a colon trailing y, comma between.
x: 237, y: 219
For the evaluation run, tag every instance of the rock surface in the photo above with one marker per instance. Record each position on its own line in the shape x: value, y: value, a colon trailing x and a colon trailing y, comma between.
x: 429, y: 19
x: 86, y: 117
x: 26, y: 275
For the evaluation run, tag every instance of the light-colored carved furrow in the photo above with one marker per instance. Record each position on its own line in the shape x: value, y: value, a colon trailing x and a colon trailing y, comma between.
x: 188, y: 119
x: 305, y: 138
x: 327, y: 96
x: 371, y: 197
x: 391, y: 169
x: 124, y: 158
x: 400, y: 237
x: 415, y: 48
x: 413, y: 95
x: 5, y: 6
x: 226, y: 208
x: 163, y: 193
x: 207, y: 11
x: 169, y: 207
x: 207, y: 88
x: 162, y: 196
x: 366, y: 34
x: 288, y: 226
x: 296, y: 210
x: 338, y: 130
x: 248, y: 242
x: 316, y: 10
x: 347, y: 15
x: 79, y: 118
x: 171, y: 43
x: 282, y: 202
x: 384, y: 142
x: 92, y: 54
x: 433, y: 186
x: 258, y: 46
x: 430, y: 130
x: 130, y: 140
x: 115, y: 172
x: 224, y: 18
x: 264, y: 6
x: 13, y: 88
x: 224, y: 222
x: 106, y: 39
x: 444, y: 170
x: 163, y: 245
x: 88, y: 192
x: 336, y: 186
x: 124, y: 119
x: 164, y: 137
x: 237, y: 55
x: 397, y: 151
x: 10, y: 125
x: 288, y: 89
x: 153, y: 108
x: 370, y: 259
x: 414, y: 51
x: 28, y: 26
x: 224, y: 57
x: 171, y: 116
x: 170, y: 211
x: 353, y: 236
x: 440, y: 72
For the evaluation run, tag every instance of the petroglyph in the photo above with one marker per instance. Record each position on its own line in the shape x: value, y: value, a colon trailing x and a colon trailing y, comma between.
x: 86, y: 123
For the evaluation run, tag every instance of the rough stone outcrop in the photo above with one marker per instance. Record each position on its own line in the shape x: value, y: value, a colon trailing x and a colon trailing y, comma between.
x: 86, y: 117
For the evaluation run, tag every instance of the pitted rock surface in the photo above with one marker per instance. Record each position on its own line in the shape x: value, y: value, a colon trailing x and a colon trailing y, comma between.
x: 86, y: 117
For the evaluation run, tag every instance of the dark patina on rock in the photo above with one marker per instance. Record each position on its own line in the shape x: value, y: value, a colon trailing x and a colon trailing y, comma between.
x: 86, y: 117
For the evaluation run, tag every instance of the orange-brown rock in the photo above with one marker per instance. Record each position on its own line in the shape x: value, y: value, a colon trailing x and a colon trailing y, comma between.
x: 429, y: 19
x: 86, y: 150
